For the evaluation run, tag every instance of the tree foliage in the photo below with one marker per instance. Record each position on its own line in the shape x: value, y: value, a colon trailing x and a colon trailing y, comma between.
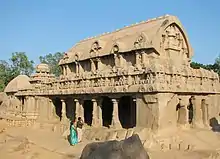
x: 21, y: 64
x: 18, y: 64
x: 52, y: 60
x: 215, y: 66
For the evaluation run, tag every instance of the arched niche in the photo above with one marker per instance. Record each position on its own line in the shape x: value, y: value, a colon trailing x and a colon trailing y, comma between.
x: 173, y: 38
x: 140, y: 41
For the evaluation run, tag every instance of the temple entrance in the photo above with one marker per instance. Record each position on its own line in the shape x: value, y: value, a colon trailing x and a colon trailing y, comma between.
x: 58, y: 107
x: 70, y: 109
x: 88, y: 109
x: 107, y: 110
x: 127, y: 112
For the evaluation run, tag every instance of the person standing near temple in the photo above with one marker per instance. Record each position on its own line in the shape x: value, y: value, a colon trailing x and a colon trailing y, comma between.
x: 73, y: 134
x: 79, y: 127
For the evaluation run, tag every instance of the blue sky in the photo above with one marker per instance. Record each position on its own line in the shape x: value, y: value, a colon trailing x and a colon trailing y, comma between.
x: 38, y: 27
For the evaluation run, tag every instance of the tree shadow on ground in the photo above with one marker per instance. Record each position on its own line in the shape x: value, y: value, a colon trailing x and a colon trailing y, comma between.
x: 213, y: 122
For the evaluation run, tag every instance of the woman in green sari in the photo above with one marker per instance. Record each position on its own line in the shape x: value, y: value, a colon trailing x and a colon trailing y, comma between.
x: 73, y: 134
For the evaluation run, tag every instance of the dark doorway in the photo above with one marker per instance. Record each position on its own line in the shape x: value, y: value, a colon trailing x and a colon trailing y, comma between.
x: 70, y: 109
x: 127, y: 112
x: 107, y: 109
x: 88, y: 109
x: 58, y: 107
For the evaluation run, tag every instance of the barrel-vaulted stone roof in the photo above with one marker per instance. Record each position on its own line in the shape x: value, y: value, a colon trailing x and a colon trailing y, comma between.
x: 19, y: 83
x: 123, y: 40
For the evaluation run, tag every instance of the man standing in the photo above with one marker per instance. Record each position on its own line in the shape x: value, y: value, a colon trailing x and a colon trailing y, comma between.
x: 79, y: 127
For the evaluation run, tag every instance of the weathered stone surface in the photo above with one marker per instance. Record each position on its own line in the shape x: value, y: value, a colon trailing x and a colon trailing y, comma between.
x: 132, y: 74
x: 121, y: 134
x: 129, y: 148
x: 111, y: 135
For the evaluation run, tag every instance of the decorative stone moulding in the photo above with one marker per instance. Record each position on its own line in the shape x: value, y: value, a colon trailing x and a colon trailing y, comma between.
x: 125, y: 89
x: 141, y: 89
x: 101, y: 90
x: 114, y: 90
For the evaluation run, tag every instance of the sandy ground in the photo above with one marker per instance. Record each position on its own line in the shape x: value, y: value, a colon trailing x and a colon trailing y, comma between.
x: 23, y: 143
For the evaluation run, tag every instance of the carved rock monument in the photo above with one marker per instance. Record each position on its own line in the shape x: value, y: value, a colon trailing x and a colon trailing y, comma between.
x: 137, y: 76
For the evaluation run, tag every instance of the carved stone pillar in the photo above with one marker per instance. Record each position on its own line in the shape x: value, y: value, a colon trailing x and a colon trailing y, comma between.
x: 21, y: 105
x: 63, y: 111
x: 68, y: 71
x: 133, y: 109
x: 143, y: 57
x: 204, y: 108
x: 77, y: 68
x: 182, y: 118
x: 50, y: 109
x: 79, y: 109
x: 99, y: 64
x: 197, y: 112
x: 115, y: 116
x: 97, y: 113
x: 94, y: 113
x: 64, y: 70
x: 118, y: 60
x: 92, y: 65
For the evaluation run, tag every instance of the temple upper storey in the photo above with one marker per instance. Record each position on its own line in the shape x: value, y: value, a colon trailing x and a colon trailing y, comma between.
x: 151, y: 56
x: 132, y: 47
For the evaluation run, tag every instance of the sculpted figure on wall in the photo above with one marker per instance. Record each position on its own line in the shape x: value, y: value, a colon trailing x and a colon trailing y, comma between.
x: 173, y: 39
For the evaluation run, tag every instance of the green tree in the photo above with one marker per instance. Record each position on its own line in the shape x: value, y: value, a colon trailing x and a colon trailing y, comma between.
x: 20, y: 64
x: 53, y: 60
x: 3, y: 74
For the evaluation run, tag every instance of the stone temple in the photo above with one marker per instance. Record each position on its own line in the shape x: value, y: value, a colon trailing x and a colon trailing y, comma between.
x: 135, y: 77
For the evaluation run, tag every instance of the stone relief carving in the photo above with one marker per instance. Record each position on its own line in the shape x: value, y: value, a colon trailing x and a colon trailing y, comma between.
x: 115, y: 48
x: 141, y: 89
x: 173, y: 38
x: 95, y: 49
x: 140, y: 42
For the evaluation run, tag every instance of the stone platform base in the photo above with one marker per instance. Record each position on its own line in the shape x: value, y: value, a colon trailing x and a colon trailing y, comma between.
x: 14, y: 122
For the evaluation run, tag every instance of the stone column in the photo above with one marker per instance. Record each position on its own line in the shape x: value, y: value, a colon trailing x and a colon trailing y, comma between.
x: 77, y: 68
x: 92, y: 65
x: 100, y: 112
x: 133, y: 109
x: 64, y: 70
x: 63, y: 111
x: 197, y: 112
x: 50, y: 109
x: 68, y: 70
x: 94, y: 113
x: 115, y: 116
x: 204, y: 108
x: 79, y: 109
x: 99, y: 63
x: 97, y: 113
x: 120, y: 61
x: 143, y: 58
x: 21, y: 105
x: 182, y: 119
